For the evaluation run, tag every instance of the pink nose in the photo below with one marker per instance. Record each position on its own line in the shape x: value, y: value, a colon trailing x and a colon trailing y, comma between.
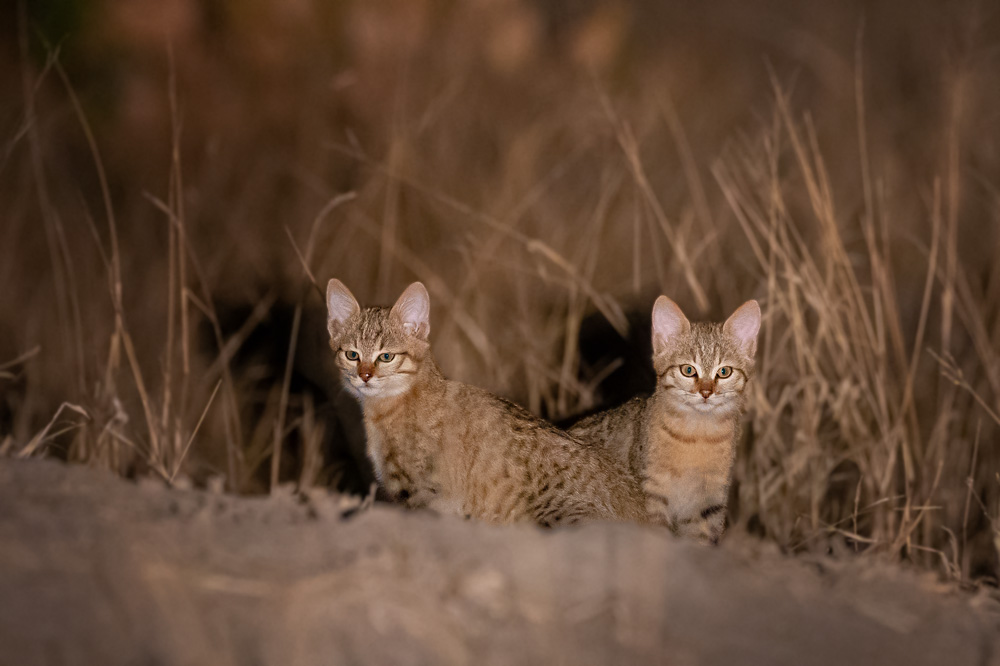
x: 705, y: 392
x: 366, y: 371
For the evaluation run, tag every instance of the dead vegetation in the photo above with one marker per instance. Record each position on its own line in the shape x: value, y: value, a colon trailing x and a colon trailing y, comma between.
x: 175, y: 177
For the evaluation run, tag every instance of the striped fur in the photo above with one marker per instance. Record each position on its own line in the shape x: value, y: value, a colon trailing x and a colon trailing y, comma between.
x: 681, y: 442
x: 456, y: 448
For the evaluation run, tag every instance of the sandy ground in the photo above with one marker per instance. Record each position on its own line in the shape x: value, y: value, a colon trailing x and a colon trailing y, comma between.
x: 97, y: 570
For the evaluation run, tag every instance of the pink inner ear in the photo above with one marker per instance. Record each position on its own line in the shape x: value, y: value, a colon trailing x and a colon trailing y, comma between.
x: 414, y: 309
x: 668, y: 322
x: 340, y: 302
x: 744, y: 324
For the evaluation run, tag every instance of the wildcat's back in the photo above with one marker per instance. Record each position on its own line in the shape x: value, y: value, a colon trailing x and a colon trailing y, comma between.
x: 618, y: 431
x: 456, y: 448
x: 510, y: 464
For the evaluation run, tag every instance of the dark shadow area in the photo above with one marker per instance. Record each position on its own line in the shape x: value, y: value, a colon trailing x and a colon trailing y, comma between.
x: 629, y: 359
x: 314, y: 394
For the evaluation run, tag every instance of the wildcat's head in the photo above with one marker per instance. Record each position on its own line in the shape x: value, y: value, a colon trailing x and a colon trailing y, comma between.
x: 378, y: 350
x: 704, y: 367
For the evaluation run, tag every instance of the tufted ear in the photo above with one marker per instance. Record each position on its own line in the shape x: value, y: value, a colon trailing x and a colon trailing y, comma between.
x: 340, y: 306
x: 413, y: 308
x: 668, y: 323
x: 743, y: 326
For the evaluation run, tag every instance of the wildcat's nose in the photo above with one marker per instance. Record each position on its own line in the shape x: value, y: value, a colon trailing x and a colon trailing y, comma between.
x: 366, y: 372
x: 706, y: 388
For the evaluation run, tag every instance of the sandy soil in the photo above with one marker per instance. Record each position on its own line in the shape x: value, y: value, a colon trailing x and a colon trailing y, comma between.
x: 97, y: 570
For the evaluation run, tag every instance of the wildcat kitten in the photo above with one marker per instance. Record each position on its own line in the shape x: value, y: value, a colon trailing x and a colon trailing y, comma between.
x: 681, y: 441
x: 456, y: 448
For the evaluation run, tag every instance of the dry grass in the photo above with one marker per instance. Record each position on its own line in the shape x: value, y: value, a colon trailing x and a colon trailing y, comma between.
x: 169, y: 210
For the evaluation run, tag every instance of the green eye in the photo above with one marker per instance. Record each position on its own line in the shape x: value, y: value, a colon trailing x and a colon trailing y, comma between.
x: 386, y: 357
x: 351, y: 355
x: 688, y: 371
x: 724, y: 372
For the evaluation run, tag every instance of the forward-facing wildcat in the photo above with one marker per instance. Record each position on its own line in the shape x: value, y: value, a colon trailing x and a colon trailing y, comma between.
x: 681, y: 441
x: 456, y: 448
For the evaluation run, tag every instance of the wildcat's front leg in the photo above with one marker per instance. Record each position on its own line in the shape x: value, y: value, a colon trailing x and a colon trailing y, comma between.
x: 707, y: 527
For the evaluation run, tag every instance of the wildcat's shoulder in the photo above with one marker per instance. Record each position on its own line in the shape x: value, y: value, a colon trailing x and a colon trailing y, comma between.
x: 616, y: 430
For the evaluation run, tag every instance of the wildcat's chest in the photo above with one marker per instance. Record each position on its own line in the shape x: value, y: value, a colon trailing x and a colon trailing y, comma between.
x: 403, y: 460
x: 691, y: 469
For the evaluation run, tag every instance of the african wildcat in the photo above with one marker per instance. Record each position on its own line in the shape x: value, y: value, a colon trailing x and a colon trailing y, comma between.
x: 456, y: 448
x: 681, y: 442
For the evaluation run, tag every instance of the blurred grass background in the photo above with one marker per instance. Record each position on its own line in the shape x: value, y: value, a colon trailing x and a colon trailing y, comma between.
x: 168, y: 169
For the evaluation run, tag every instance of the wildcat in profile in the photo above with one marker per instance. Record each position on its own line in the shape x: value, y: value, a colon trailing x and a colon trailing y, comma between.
x: 456, y: 448
x: 681, y: 441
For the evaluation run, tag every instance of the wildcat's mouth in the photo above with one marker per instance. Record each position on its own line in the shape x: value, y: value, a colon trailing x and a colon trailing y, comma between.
x: 375, y: 387
x: 369, y: 388
x: 714, y: 402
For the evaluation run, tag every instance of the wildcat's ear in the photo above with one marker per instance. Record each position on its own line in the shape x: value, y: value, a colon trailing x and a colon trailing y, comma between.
x: 413, y: 308
x: 340, y: 305
x: 743, y: 326
x: 668, y: 323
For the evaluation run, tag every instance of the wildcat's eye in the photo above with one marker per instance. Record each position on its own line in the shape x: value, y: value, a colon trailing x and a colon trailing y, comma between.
x: 724, y: 372
x: 351, y: 355
x: 688, y: 371
x: 386, y: 357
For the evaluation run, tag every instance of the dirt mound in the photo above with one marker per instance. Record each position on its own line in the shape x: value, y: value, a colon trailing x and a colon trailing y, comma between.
x: 95, y: 570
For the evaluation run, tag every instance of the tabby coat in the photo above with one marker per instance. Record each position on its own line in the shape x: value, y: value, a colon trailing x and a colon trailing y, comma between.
x: 455, y: 448
x: 681, y: 442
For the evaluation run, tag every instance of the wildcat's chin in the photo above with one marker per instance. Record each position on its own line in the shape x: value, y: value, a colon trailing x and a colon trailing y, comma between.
x: 714, y: 405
